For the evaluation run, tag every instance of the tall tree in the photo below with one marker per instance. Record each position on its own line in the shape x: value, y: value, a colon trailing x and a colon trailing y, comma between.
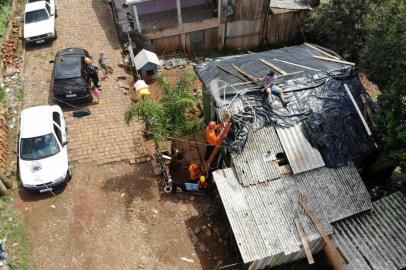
x: 338, y: 25
x: 384, y: 52
x: 384, y: 60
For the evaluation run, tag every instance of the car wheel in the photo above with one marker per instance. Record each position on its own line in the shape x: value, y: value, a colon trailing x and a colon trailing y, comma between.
x: 69, y: 177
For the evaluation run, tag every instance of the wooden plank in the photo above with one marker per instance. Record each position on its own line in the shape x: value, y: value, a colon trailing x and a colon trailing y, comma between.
x: 288, y: 74
x: 278, y: 76
x: 322, y: 232
x: 274, y: 67
x: 321, y: 51
x: 297, y: 65
x: 305, y: 241
x: 248, y: 76
x: 334, y: 60
x: 231, y: 73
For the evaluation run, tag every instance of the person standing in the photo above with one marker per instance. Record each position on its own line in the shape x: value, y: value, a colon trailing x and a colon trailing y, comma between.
x: 91, y: 72
x: 131, y: 20
x: 211, y: 138
x: 194, y: 172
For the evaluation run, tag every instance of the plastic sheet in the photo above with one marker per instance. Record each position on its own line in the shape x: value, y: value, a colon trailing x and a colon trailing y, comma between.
x: 316, y: 98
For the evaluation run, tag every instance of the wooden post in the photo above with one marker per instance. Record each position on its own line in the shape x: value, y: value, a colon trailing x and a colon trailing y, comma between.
x: 179, y: 9
x: 137, y: 19
x: 322, y: 232
x: 305, y: 242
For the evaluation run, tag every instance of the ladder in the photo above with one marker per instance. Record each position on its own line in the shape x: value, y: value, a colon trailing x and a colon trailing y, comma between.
x: 224, y: 129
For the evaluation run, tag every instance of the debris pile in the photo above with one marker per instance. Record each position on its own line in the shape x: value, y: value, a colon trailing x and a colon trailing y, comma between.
x: 175, y: 61
x: 10, y: 61
x: 3, y: 139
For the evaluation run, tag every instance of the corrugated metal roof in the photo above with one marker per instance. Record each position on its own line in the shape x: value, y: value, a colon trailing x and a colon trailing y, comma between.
x: 290, y: 4
x: 301, y: 155
x: 262, y: 215
x: 256, y: 164
x: 375, y: 240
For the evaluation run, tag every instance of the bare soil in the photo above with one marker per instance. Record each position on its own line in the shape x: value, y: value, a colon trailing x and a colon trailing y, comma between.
x: 115, y: 217
x: 372, y: 89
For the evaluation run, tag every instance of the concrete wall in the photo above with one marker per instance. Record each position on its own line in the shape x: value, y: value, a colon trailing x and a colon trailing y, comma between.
x: 165, y: 5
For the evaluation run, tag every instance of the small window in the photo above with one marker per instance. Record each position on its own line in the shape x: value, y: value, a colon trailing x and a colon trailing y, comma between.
x: 57, y: 118
x: 58, y: 133
x: 48, y: 8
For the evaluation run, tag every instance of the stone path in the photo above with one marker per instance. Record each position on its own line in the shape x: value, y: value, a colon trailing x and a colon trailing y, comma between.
x: 102, y: 137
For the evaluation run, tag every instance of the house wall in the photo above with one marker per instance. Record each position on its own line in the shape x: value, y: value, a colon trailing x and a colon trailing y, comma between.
x: 243, y: 34
x: 251, y: 25
x: 246, y: 10
x: 282, y: 28
x: 165, y: 5
x: 167, y: 44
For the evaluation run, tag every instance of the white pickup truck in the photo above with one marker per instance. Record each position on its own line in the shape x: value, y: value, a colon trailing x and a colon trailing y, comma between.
x: 39, y: 21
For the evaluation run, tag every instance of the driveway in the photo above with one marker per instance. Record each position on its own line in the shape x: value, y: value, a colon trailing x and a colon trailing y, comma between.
x: 112, y: 215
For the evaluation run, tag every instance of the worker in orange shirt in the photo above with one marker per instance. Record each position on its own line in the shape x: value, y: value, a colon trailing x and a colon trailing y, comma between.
x: 194, y: 172
x: 211, y: 138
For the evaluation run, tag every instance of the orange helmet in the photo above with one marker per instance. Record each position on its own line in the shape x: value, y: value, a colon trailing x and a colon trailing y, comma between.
x: 212, y: 124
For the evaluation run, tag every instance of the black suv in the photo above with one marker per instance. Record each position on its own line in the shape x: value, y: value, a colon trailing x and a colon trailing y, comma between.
x: 71, y: 83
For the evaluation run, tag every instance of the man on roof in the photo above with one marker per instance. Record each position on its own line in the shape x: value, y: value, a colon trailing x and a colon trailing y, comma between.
x: 270, y: 88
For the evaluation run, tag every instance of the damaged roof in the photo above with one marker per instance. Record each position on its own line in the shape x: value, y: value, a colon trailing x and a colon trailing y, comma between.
x: 262, y: 215
x: 318, y: 126
x: 377, y: 239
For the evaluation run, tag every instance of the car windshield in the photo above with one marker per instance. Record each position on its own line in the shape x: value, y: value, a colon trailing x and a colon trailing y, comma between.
x: 39, y: 147
x: 36, y: 16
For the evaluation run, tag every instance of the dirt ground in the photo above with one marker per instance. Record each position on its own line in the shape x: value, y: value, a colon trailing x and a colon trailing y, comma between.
x: 115, y: 217
x: 371, y: 88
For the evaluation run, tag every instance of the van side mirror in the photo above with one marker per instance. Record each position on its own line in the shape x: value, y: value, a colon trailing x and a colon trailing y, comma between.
x: 64, y: 143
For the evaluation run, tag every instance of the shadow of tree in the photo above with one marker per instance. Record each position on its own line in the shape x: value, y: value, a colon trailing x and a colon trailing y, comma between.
x: 138, y: 184
x: 209, y: 233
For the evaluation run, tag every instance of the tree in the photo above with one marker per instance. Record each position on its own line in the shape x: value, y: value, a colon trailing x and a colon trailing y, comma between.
x: 169, y: 117
x: 391, y: 120
x: 338, y: 25
x: 383, y: 59
x: 384, y: 53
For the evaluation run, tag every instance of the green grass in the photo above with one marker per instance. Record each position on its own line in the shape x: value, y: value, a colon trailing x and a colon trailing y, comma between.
x: 16, y: 246
x: 5, y: 14
x: 21, y: 95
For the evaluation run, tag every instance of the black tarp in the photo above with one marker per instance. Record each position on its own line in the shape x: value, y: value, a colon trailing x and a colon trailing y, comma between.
x: 316, y: 97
